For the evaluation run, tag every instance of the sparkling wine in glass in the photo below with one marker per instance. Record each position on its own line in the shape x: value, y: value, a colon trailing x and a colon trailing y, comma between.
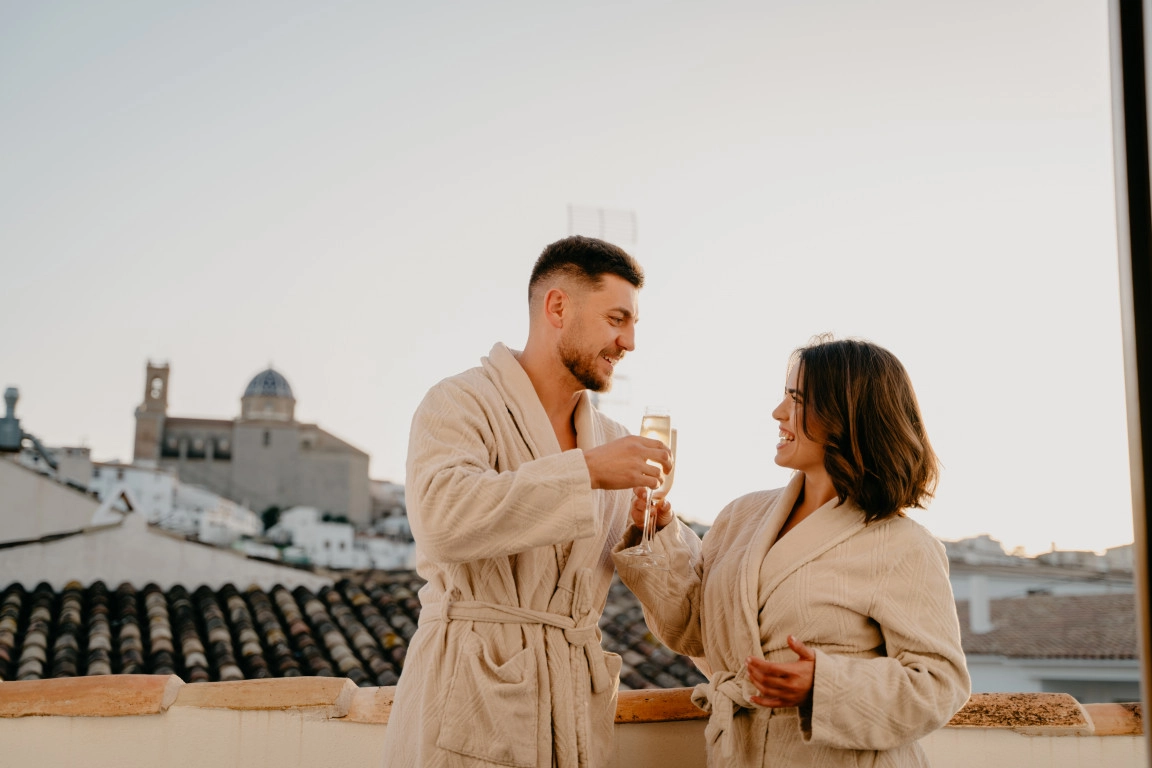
x: 657, y: 424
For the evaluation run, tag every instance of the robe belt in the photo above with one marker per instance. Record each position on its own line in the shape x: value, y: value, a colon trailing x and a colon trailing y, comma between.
x: 583, y: 635
x: 722, y: 696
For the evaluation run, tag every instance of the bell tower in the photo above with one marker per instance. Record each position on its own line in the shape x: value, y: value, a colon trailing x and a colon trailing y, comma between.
x: 150, y: 415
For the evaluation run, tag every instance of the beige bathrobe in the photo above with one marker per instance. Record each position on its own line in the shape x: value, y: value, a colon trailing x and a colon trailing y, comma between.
x: 873, y: 602
x: 506, y: 666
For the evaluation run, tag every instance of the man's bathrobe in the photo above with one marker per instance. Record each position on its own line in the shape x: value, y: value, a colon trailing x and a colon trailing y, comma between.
x: 506, y: 667
x: 873, y: 602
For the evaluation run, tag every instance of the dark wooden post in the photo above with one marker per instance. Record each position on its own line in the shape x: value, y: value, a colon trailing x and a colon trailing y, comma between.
x: 1128, y: 39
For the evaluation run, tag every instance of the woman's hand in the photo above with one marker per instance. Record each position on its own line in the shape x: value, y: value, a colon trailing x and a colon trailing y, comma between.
x: 784, y: 685
x: 660, y: 506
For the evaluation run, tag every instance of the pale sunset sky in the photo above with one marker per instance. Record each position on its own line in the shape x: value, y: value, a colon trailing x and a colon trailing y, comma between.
x: 355, y: 192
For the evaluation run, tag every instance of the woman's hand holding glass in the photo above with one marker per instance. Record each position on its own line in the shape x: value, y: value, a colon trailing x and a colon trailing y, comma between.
x: 661, y: 510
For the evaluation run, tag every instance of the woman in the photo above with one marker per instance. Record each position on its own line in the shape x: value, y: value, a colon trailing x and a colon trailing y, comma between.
x: 822, y: 615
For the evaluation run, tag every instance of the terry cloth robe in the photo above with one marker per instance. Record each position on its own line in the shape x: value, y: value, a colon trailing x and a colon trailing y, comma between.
x: 505, y: 667
x: 873, y: 601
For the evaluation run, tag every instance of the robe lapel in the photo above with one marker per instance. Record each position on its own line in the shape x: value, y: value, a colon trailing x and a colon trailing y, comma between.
x: 770, y: 525
x: 533, y: 425
x: 536, y: 430
x: 522, y: 401
x: 820, y: 532
x: 588, y: 550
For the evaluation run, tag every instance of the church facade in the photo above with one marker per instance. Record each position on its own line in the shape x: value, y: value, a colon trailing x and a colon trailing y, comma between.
x: 261, y: 459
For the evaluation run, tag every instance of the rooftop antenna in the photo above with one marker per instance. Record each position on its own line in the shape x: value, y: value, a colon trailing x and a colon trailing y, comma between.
x: 616, y: 225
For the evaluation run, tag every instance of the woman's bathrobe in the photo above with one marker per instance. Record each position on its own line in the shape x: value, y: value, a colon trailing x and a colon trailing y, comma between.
x: 873, y: 601
x: 506, y: 667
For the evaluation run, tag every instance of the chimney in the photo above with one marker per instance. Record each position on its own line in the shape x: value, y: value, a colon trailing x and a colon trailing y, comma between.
x: 979, y: 606
x: 11, y: 435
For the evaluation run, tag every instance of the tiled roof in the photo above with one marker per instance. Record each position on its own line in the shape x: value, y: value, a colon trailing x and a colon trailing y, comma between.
x: 1056, y: 627
x: 358, y: 629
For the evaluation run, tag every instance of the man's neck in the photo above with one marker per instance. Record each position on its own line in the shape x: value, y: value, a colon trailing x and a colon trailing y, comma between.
x: 558, y: 392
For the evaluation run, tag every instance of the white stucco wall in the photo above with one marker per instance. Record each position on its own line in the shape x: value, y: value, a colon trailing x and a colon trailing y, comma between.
x: 1102, y: 680
x: 302, y: 724
x: 33, y: 506
x: 154, y: 490
x: 135, y: 553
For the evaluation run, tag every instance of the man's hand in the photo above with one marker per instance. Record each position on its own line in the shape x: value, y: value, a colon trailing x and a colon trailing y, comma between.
x: 623, y: 463
x: 784, y: 685
x: 660, y: 505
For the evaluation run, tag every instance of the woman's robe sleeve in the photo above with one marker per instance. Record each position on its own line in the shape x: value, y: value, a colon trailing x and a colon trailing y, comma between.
x: 884, y: 702
x: 672, y: 599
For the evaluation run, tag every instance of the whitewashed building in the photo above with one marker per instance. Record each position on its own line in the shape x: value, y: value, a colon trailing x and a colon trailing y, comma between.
x: 324, y: 542
x: 177, y: 506
x: 337, y: 545
x: 387, y: 553
x: 981, y: 569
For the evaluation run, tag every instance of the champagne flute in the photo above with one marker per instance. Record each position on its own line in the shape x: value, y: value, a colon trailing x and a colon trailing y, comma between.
x: 657, y: 423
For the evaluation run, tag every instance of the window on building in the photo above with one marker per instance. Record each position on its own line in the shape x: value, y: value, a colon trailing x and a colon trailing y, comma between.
x: 196, y: 448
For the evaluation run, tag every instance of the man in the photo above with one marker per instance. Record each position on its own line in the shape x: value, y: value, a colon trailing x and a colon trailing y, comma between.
x: 517, y: 490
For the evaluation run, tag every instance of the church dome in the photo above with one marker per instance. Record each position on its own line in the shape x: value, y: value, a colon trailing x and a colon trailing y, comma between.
x: 269, y: 383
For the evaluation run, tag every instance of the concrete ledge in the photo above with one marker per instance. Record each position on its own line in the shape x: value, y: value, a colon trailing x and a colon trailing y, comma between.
x: 338, y: 698
x: 332, y: 696
x: 1116, y: 719
x: 1049, y: 714
x: 96, y: 696
x: 371, y: 705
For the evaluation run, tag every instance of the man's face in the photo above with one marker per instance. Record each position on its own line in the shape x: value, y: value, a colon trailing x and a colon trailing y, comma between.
x: 603, y: 328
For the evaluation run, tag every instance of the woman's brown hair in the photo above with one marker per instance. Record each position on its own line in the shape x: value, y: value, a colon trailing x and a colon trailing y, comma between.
x: 859, y: 402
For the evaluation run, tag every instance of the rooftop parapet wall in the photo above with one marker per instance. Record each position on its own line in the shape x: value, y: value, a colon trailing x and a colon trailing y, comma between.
x: 158, y: 721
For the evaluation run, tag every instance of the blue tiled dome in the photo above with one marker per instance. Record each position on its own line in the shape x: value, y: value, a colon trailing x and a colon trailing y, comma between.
x: 269, y: 383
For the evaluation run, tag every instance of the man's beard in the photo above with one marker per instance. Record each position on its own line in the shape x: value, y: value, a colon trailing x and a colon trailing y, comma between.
x: 583, y: 369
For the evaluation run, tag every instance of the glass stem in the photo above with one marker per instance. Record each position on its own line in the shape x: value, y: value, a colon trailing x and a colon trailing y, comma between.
x: 646, y: 534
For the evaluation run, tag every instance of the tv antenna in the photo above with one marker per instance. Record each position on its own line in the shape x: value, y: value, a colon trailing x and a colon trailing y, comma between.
x: 616, y: 225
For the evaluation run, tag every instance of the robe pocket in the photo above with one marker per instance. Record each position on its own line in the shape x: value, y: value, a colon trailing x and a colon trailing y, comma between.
x: 614, y: 664
x: 492, y: 710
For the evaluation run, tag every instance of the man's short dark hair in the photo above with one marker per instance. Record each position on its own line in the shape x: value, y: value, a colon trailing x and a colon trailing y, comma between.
x: 586, y: 260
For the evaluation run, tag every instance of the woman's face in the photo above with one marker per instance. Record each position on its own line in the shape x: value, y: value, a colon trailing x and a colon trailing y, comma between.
x: 795, y: 449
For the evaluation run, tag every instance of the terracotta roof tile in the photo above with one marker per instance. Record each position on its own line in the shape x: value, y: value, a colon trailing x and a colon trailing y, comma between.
x: 360, y: 629
x: 1056, y: 627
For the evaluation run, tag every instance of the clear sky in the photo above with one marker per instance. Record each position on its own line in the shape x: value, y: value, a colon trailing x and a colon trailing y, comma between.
x: 355, y: 192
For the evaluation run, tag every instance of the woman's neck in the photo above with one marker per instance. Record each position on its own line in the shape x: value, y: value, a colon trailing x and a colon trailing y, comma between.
x: 818, y: 490
x: 815, y: 493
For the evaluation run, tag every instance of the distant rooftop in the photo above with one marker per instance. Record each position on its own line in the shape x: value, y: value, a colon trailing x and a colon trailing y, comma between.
x: 1056, y: 627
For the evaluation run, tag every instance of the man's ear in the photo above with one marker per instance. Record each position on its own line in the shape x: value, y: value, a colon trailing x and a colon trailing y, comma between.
x: 557, y: 307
